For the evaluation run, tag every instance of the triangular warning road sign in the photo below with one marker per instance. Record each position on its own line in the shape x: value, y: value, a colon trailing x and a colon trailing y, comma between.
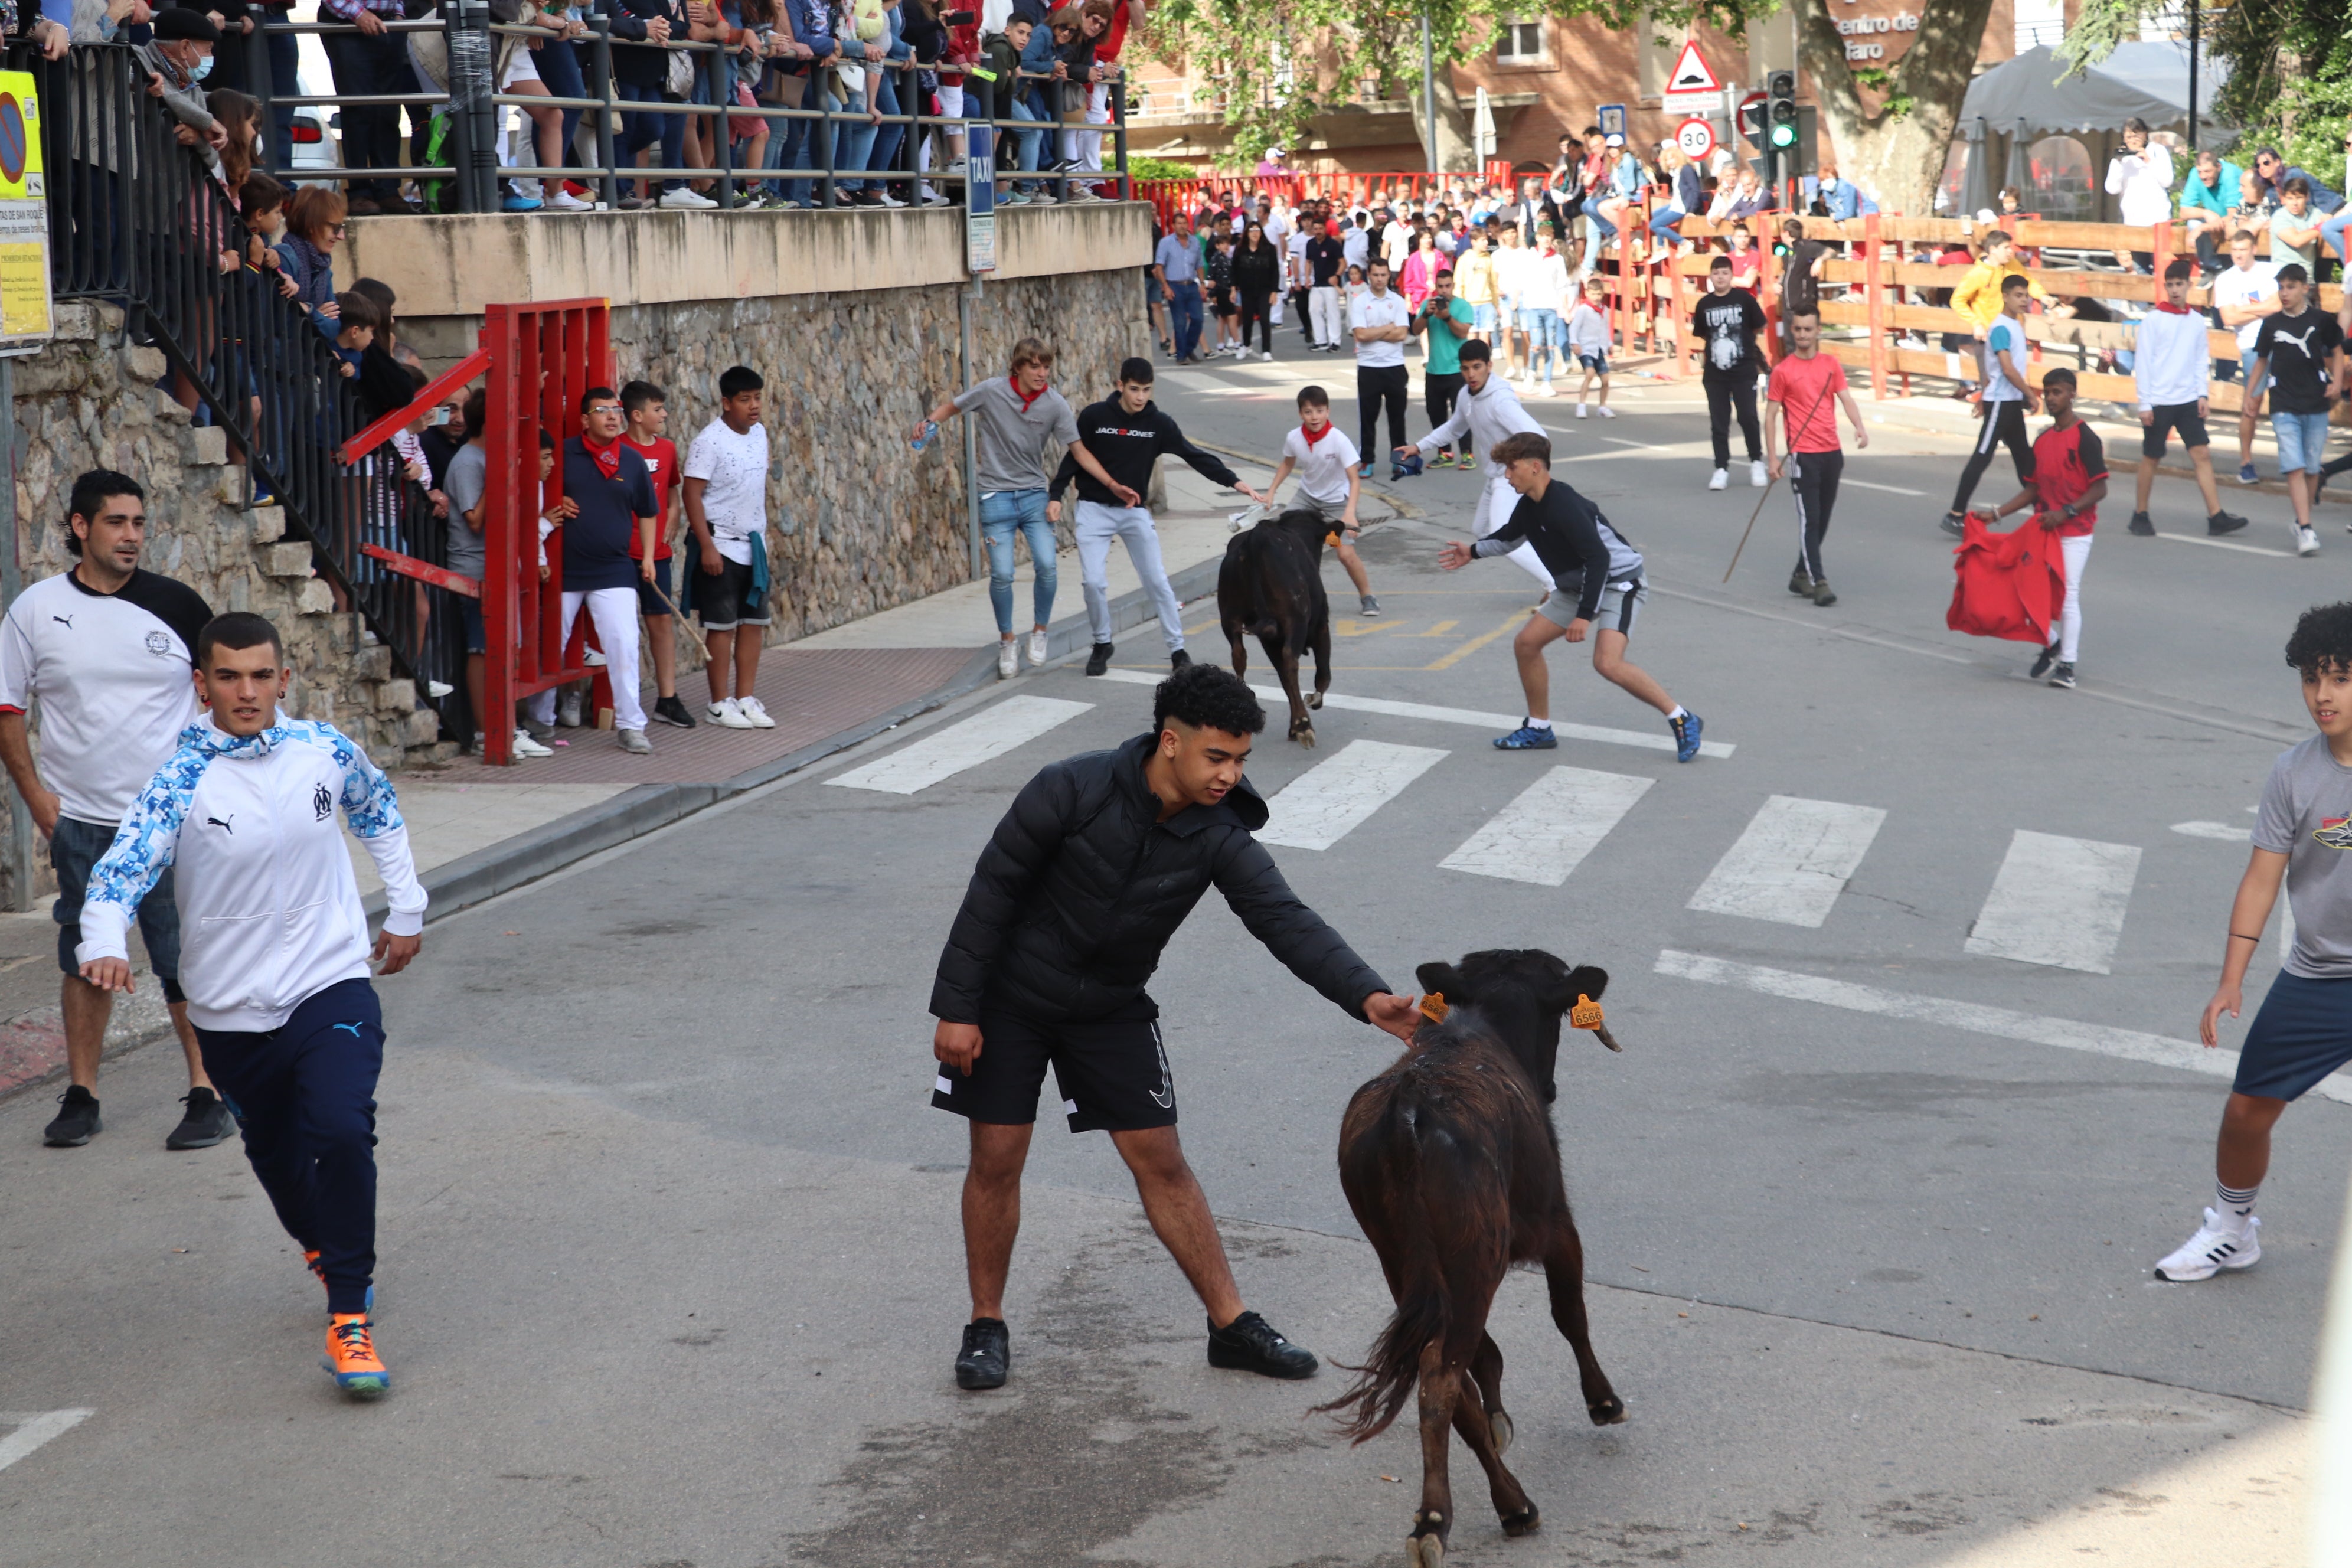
x: 1692, y: 73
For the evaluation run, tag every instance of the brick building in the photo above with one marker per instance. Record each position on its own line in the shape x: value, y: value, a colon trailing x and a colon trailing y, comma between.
x: 1542, y: 76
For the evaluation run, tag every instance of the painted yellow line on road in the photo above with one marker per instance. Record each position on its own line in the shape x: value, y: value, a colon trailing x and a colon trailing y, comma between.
x: 1439, y: 630
x: 1448, y: 661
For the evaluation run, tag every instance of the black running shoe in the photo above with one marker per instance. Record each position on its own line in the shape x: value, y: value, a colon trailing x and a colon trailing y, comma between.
x: 1099, y: 660
x: 1822, y: 595
x: 2063, y: 676
x: 2224, y: 523
x: 1955, y: 524
x: 2041, y: 664
x: 205, y: 1124
x: 1249, y: 1343
x: 77, y: 1122
x: 2142, y: 525
x: 1800, y: 583
x: 670, y: 710
x: 1179, y: 659
x: 986, y: 1356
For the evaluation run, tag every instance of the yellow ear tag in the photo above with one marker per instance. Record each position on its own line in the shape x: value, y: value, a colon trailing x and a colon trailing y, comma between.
x: 1585, y: 1014
x: 1433, y: 1008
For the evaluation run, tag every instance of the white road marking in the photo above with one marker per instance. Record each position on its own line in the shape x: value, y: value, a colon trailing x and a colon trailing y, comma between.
x: 2058, y: 901
x: 2034, y: 1028
x: 944, y: 753
x: 1792, y: 861
x: 1890, y: 489
x: 1550, y: 827
x: 34, y: 1428
x: 1662, y: 742
x: 2227, y: 832
x: 1321, y: 805
x: 2223, y: 544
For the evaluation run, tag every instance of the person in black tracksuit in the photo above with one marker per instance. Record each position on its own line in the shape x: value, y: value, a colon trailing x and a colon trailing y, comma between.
x: 1726, y: 321
x: 1257, y: 277
x: 1125, y: 434
x: 1083, y: 884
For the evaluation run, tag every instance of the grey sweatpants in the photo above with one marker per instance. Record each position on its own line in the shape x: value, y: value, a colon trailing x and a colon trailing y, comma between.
x: 1097, y: 525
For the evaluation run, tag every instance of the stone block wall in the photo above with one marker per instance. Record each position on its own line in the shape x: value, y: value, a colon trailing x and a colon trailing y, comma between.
x: 89, y: 400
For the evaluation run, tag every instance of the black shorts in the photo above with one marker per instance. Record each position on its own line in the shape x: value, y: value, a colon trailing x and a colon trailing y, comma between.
x: 1112, y: 1072
x: 726, y: 601
x: 650, y: 604
x: 2181, y: 416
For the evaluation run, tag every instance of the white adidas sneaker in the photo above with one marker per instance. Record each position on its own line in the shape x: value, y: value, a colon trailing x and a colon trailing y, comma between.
x: 1720, y: 477
x: 2215, y: 1247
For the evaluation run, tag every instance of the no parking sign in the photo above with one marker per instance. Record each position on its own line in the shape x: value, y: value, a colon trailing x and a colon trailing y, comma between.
x: 1695, y: 138
x: 26, y: 320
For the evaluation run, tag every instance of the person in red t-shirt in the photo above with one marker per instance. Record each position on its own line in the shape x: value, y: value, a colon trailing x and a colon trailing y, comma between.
x: 647, y: 408
x: 2070, y: 480
x: 1799, y: 392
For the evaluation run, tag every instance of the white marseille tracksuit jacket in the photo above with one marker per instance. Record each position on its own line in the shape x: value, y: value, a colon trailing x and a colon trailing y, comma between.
x: 1481, y: 419
x: 2171, y: 363
x: 269, y: 911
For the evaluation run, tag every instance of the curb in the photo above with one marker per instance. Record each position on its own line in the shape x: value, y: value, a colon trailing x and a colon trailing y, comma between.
x: 513, y: 862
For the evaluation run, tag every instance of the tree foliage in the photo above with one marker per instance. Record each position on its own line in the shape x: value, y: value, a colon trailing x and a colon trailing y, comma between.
x: 2290, y: 67
x: 1274, y: 64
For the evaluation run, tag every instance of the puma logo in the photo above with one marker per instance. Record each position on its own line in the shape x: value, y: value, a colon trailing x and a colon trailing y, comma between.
x: 223, y: 823
x: 355, y: 1028
x: 65, y: 621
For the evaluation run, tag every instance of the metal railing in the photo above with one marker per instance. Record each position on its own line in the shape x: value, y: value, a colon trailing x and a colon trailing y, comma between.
x: 136, y: 218
x: 809, y: 132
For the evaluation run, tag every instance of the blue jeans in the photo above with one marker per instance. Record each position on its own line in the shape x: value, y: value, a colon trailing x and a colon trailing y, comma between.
x: 285, y: 81
x: 790, y: 146
x: 1184, y: 317
x: 1002, y: 515
x: 852, y: 142
x: 558, y: 65
x: 640, y: 129
x: 1544, y: 338
x: 888, y: 138
x: 1662, y: 222
x: 1025, y: 143
x: 2334, y: 235
x: 1607, y: 230
x: 365, y: 66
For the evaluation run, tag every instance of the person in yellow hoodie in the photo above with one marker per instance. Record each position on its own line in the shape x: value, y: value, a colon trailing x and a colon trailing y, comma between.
x: 1978, y: 294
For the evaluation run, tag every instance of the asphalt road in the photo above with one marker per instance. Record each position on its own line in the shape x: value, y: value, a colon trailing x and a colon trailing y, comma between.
x: 670, y: 1264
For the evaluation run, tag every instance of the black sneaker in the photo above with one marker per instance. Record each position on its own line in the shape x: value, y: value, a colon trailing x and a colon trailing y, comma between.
x: 2224, y: 523
x: 76, y: 1122
x: 986, y: 1356
x: 670, y: 710
x: 2142, y: 525
x: 1822, y: 595
x: 2063, y: 676
x: 1800, y: 583
x: 1249, y: 1343
x: 1099, y: 660
x: 2048, y: 657
x: 1179, y: 659
x: 205, y: 1124
x: 1955, y: 524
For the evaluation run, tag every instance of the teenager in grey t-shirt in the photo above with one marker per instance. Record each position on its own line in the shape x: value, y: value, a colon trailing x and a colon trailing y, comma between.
x: 467, y: 478
x: 2306, y: 816
x: 1016, y: 429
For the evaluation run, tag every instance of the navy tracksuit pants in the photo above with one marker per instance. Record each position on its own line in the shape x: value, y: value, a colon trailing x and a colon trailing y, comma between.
x: 304, y: 1096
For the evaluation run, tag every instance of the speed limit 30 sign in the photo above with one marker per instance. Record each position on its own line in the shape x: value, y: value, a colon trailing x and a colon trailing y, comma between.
x: 1695, y: 138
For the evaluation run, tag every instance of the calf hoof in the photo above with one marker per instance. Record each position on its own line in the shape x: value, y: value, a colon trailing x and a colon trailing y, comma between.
x: 1315, y: 700
x: 1303, y: 732
x: 1498, y: 1422
x: 1526, y: 1521
x: 1607, y: 1412
x: 1425, y: 1547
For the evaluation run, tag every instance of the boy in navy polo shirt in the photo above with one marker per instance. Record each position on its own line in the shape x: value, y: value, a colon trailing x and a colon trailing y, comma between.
x: 607, y: 481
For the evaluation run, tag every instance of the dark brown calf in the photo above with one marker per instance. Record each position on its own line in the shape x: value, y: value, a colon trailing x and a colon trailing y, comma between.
x: 1452, y: 1165
x: 1271, y: 585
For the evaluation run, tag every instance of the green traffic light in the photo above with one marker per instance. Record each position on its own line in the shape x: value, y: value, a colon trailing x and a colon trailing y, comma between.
x: 1784, y: 135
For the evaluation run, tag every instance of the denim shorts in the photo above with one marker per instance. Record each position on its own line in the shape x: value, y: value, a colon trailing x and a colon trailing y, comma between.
x: 74, y: 849
x: 1483, y: 320
x: 1597, y: 363
x: 469, y: 617
x: 2302, y: 1033
x: 649, y: 604
x: 2301, y: 441
x: 2246, y: 358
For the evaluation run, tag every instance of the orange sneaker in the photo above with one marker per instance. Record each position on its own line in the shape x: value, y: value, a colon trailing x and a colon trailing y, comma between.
x: 350, y: 1356
x: 310, y: 1259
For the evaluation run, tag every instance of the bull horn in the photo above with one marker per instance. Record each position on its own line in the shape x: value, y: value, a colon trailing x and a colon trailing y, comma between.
x: 1606, y: 1038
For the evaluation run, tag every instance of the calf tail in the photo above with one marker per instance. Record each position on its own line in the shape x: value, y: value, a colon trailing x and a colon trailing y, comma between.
x: 1424, y: 1310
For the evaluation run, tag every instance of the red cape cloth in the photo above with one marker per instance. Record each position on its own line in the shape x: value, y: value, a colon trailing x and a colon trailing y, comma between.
x: 2011, y: 584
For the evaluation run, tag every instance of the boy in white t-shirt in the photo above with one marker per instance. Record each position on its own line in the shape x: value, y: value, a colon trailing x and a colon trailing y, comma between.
x: 1330, y: 479
x: 726, y: 474
x: 1587, y: 331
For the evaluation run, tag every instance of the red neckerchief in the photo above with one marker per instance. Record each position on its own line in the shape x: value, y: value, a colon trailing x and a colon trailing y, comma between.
x: 608, y: 458
x: 1026, y: 397
x: 1314, y: 435
x: 2169, y: 309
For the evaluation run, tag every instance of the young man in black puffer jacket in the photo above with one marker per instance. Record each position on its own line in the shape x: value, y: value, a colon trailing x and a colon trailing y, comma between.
x: 1085, y: 881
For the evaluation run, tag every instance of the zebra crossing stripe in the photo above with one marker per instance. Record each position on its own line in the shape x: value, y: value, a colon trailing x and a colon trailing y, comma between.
x: 1549, y: 828
x: 1323, y: 805
x: 1791, y: 863
x: 2057, y: 900
x: 1500, y: 723
x: 948, y: 751
x: 2129, y: 1045
x: 34, y: 1428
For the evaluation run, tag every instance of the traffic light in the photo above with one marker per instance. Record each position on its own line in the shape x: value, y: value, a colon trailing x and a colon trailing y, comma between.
x: 1781, y: 111
x: 1751, y: 123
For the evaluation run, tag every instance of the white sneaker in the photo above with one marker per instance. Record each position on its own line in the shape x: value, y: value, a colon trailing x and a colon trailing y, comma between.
x: 633, y: 741
x: 889, y: 200
x: 1581, y: 412
x: 1757, y: 478
x: 2216, y: 1245
x: 563, y: 201
x: 683, y: 197
x: 524, y: 746
x: 1266, y: 354
x: 754, y: 709
x: 1607, y: 412
x: 1036, y: 648
x: 567, y: 711
x: 1546, y: 391
x: 593, y: 657
x: 727, y: 715
x: 1008, y: 658
x: 438, y: 688
x: 1718, y: 479
x: 2306, y: 543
